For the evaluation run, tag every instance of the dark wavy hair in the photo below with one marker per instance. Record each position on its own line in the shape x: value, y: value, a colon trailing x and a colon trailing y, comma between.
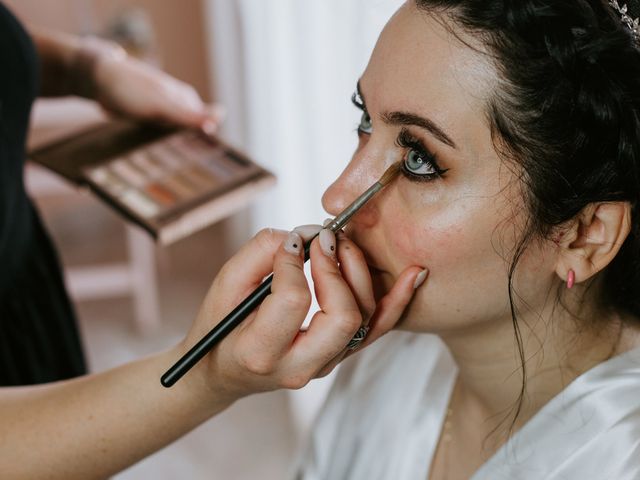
x: 566, y: 110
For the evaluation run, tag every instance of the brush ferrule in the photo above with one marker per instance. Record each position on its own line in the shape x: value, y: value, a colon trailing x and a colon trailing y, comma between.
x: 344, y: 216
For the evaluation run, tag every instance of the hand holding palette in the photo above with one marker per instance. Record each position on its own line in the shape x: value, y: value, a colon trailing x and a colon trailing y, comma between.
x: 170, y: 182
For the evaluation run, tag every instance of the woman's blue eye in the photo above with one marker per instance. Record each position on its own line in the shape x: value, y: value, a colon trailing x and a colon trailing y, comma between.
x: 366, y: 125
x: 416, y: 163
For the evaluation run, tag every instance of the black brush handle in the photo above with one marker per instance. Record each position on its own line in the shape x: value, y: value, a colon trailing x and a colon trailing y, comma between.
x: 224, y: 328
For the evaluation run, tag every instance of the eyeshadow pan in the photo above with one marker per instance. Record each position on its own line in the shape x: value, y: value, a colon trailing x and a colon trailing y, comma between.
x: 139, y: 203
x: 179, y: 189
x: 160, y: 176
x: 129, y: 174
x: 204, y: 175
x: 218, y: 168
x: 99, y: 175
x: 151, y: 169
x: 160, y: 194
x: 165, y: 157
x: 103, y: 177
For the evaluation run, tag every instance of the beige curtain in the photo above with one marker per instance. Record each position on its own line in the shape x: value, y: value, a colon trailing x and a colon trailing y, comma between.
x: 286, y: 70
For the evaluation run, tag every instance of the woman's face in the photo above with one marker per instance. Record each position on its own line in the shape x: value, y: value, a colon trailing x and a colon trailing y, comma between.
x: 424, y: 95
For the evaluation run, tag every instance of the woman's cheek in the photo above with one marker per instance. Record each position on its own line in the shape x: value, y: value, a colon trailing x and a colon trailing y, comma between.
x: 431, y: 247
x: 453, y: 242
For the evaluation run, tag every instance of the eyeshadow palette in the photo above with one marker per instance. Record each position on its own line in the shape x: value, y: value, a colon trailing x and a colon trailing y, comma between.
x: 170, y: 182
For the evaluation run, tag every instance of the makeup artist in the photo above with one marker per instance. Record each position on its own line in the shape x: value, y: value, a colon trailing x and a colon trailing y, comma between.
x: 92, y: 426
x: 38, y: 338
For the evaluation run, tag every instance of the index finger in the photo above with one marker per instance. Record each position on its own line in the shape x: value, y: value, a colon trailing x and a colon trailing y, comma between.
x: 332, y: 328
x: 272, y: 331
x: 246, y: 270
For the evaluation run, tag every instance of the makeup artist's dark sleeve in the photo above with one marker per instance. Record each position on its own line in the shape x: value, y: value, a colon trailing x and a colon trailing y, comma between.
x: 39, y: 339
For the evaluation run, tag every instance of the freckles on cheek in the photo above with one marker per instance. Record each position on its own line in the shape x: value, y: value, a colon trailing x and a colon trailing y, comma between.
x: 428, y: 228
x: 427, y: 247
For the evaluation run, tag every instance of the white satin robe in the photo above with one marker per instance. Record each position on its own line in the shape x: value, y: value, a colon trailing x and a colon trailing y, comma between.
x: 383, y: 418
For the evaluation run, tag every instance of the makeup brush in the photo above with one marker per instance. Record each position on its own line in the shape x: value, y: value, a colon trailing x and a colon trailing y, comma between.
x: 249, y: 304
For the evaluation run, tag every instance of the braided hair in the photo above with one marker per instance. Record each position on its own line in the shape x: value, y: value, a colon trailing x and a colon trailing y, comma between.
x: 567, y: 110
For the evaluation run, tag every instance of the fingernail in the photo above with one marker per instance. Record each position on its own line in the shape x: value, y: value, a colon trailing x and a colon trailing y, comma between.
x: 328, y: 243
x: 218, y: 111
x: 293, y: 243
x: 307, y: 232
x: 209, y: 127
x: 422, y: 276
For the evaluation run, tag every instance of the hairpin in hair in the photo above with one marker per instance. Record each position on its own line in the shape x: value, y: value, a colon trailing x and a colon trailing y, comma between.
x: 632, y: 24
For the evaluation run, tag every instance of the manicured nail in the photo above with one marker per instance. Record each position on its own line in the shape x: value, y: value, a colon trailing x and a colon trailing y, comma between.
x: 293, y: 244
x: 307, y: 232
x: 422, y: 276
x: 218, y: 111
x: 209, y: 127
x: 328, y: 243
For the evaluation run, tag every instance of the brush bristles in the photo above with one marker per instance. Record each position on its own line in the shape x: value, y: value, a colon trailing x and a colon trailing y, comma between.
x: 390, y: 174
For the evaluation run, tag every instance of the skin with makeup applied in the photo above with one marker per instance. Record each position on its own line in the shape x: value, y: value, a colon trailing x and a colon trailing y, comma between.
x: 457, y: 209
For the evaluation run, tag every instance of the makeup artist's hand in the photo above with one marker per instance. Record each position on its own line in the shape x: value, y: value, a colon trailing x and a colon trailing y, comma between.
x: 268, y: 350
x: 129, y: 87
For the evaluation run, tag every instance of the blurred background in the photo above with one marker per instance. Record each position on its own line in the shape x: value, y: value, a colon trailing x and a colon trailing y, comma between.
x: 285, y: 70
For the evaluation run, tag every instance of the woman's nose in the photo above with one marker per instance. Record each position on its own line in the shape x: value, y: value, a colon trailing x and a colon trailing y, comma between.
x: 347, y: 187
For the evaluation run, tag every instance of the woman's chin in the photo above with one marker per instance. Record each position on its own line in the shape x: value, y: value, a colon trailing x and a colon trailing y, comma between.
x: 381, y: 281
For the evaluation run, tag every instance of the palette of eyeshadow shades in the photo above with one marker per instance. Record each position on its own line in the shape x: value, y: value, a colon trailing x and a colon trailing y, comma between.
x: 170, y: 182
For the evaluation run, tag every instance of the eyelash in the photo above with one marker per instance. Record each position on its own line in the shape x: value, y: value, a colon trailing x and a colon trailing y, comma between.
x: 407, y: 141
x: 359, y: 104
x: 356, y: 100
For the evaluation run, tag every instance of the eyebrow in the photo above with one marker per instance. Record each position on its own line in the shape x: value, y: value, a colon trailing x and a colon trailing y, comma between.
x: 411, y: 119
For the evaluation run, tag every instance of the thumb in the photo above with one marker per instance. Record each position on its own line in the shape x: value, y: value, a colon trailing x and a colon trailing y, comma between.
x: 213, y: 116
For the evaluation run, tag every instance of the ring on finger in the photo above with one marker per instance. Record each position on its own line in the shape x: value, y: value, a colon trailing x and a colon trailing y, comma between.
x: 357, y: 339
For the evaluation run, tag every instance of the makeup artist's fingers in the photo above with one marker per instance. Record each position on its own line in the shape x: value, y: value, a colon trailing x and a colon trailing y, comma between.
x: 339, y: 318
x: 270, y: 334
x: 247, y: 268
x: 391, y: 307
x: 254, y: 260
x: 332, y: 291
x: 132, y: 88
x: 213, y: 117
x: 328, y: 368
x: 307, y: 232
x: 390, y: 310
x: 355, y: 272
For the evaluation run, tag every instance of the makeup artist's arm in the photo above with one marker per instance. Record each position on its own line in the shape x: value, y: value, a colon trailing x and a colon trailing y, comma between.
x: 95, y: 426
x: 101, y: 70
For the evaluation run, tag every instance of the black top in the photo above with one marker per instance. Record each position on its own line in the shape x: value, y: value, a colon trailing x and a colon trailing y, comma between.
x: 38, y: 335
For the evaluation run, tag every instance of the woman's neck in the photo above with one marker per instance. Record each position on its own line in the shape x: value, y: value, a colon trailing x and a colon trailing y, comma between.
x: 555, y: 352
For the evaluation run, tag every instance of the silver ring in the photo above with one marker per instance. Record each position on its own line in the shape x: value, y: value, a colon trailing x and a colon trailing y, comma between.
x: 357, y: 339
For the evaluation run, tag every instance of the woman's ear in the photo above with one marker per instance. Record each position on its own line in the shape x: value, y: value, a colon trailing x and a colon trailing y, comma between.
x: 593, y: 239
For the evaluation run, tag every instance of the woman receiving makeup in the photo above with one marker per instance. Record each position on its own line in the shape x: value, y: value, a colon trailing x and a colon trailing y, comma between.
x: 516, y: 127
x: 519, y: 128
